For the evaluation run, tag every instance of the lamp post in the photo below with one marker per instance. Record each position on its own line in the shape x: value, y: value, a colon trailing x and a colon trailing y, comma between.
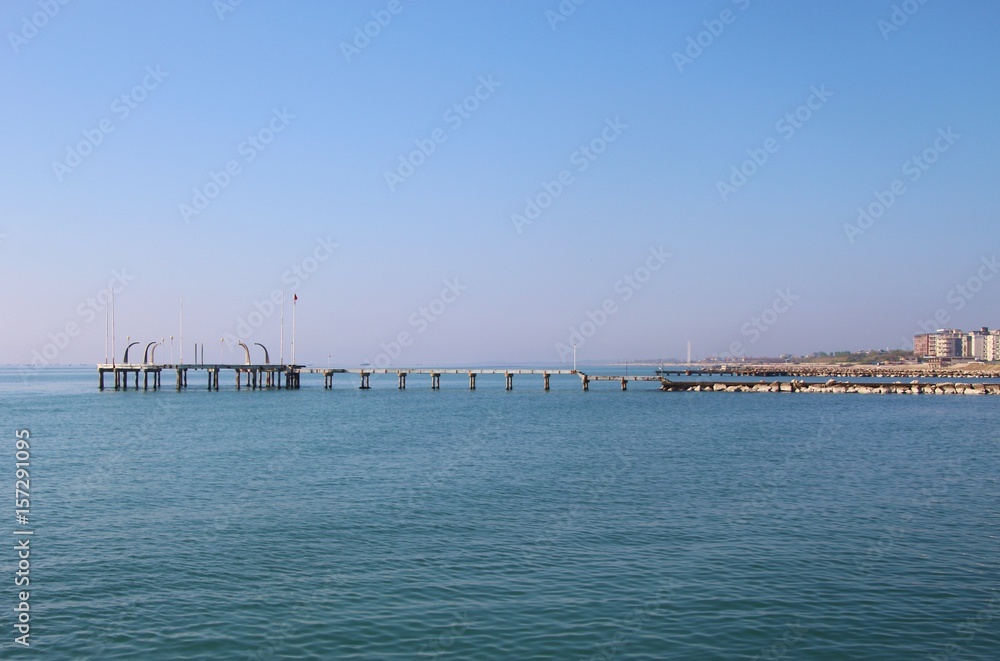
x: 221, y: 342
x: 171, y: 349
x: 574, y: 356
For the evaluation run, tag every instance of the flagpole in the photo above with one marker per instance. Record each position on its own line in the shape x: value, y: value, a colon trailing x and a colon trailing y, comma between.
x: 281, y: 350
x: 182, y: 331
x: 294, y: 299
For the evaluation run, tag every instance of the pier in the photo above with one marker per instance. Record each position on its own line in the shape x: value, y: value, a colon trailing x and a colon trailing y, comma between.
x: 289, y: 377
x: 267, y: 376
x: 253, y: 377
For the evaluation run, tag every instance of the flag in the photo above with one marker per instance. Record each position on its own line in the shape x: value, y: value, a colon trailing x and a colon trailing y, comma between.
x: 295, y: 297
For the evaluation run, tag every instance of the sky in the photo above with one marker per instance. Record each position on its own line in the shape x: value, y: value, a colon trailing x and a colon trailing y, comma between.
x: 449, y: 183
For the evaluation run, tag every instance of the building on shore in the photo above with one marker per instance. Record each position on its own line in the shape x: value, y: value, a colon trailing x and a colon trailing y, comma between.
x: 946, y: 344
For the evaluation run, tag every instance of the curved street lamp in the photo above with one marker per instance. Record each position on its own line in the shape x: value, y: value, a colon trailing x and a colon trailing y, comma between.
x: 152, y: 354
x: 267, y: 358
x: 125, y: 360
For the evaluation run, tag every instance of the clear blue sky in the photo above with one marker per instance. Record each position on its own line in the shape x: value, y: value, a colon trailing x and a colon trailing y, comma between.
x: 94, y: 183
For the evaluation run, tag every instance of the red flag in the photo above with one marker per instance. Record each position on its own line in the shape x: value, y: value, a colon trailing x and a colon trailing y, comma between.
x: 295, y: 297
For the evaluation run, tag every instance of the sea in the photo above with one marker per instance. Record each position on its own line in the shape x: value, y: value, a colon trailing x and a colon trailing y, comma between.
x: 490, y: 524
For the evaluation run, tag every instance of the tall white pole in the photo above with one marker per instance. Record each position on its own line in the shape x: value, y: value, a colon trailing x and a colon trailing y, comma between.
x: 107, y: 328
x: 294, y: 297
x: 281, y: 350
x: 113, y: 357
x: 182, y: 331
x: 574, y: 356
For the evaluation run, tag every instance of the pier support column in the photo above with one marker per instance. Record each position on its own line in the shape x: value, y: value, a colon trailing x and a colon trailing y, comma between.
x: 624, y: 383
x: 185, y: 378
x: 510, y: 381
x: 238, y: 379
x: 118, y: 380
x: 216, y: 379
x: 180, y: 379
x: 435, y: 381
x: 137, y: 379
x: 472, y: 380
x: 364, y: 381
x: 402, y: 380
x: 100, y: 378
x: 586, y: 383
x: 545, y: 377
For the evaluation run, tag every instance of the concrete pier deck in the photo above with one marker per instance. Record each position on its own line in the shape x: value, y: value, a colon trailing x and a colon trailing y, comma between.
x: 267, y: 376
x: 263, y: 376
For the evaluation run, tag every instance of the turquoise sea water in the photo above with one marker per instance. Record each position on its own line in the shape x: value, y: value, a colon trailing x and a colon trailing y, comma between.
x: 451, y: 524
